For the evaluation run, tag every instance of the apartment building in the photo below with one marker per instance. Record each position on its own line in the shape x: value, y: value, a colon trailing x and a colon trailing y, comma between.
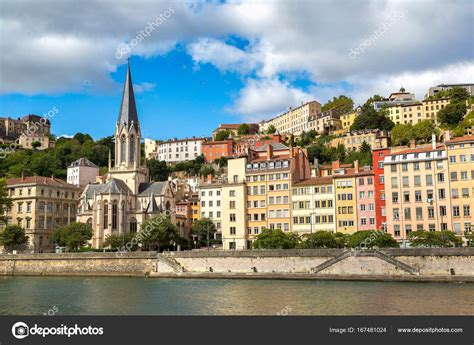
x: 365, y: 193
x: 195, y: 207
x: 460, y: 152
x: 41, y: 205
x: 235, y: 235
x: 395, y: 98
x: 27, y: 132
x: 210, y: 195
x: 326, y: 123
x: 313, y: 205
x: 353, y: 140
x: 174, y: 150
x: 345, y: 196
x: 378, y: 157
x: 348, y: 119
x: 431, y: 108
x: 406, y: 113
x: 295, y: 120
x: 432, y: 91
x: 82, y: 172
x: 417, y: 190
x: 213, y: 150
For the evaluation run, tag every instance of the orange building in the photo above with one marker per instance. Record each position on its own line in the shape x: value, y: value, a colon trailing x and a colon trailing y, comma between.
x: 213, y: 150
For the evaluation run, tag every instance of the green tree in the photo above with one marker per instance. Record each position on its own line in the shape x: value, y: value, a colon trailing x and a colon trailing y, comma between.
x: 243, y: 129
x: 13, y: 237
x: 370, y: 118
x: 204, y: 229
x: 271, y: 129
x: 342, y: 104
x: 275, y: 239
x: 423, y: 130
x: 118, y: 241
x: 401, y: 134
x: 35, y: 145
x: 452, y: 114
x: 74, y: 235
x: 158, y: 232
x: 159, y: 171
x: 5, y: 200
x: 207, y: 170
x: 422, y: 238
x: 341, y: 239
x: 223, y: 135
x: 319, y: 239
x: 370, y: 239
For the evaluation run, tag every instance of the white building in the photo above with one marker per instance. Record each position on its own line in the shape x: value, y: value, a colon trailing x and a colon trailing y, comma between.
x: 210, y: 198
x: 175, y: 150
x: 82, y: 172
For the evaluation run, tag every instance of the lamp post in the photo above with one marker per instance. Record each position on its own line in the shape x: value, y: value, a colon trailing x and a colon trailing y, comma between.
x: 311, y: 223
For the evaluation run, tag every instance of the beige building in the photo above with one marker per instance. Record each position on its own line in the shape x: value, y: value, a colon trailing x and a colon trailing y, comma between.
x: 174, y: 150
x: 313, y: 205
x: 460, y: 152
x: 431, y: 108
x: 417, y: 190
x: 210, y: 196
x: 41, y: 205
x: 326, y: 123
x: 27, y: 132
x: 406, y: 113
x: 82, y: 172
x: 377, y: 139
x: 295, y: 120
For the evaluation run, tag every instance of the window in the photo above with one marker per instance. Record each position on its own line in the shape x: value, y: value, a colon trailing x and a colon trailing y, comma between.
x: 456, y: 212
x: 429, y: 180
x: 405, y: 181
x: 407, y: 213
x: 442, y: 193
x: 417, y: 180
x: 440, y: 177
x: 467, y: 210
x: 442, y: 211
x: 406, y: 196
x: 232, y: 204
x: 394, y: 197
x: 419, y: 213
x: 232, y: 217
x: 454, y: 176
x: 232, y: 232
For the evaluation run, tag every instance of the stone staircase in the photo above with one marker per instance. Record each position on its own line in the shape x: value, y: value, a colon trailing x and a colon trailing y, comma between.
x: 372, y: 253
x: 171, y: 262
x: 331, y: 261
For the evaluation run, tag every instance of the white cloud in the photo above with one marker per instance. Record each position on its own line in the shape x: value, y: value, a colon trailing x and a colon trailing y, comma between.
x: 143, y: 87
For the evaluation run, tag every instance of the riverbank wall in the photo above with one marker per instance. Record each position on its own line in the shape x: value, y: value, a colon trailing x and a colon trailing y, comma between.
x: 422, y: 264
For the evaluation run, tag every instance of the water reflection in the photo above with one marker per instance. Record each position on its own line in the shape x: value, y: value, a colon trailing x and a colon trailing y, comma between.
x: 139, y: 296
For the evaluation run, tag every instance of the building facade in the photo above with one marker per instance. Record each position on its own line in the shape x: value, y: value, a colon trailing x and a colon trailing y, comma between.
x: 353, y: 140
x: 210, y: 195
x: 82, y: 172
x: 31, y: 131
x: 378, y: 157
x: 365, y: 194
x: 174, y: 150
x: 41, y: 205
x: 213, y: 150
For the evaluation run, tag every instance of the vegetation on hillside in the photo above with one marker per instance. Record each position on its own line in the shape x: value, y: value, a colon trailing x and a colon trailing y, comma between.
x: 420, y: 132
x: 342, y: 104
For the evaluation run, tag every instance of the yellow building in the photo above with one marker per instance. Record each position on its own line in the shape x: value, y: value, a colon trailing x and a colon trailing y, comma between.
x: 348, y: 119
x: 460, y: 152
x: 313, y: 205
x: 431, y: 108
x: 195, y: 208
x: 406, y: 113
x: 345, y: 199
x: 40, y: 205
x: 377, y: 139
x: 295, y: 120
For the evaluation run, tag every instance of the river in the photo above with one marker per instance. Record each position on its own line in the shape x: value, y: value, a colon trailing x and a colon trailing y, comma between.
x: 156, y: 296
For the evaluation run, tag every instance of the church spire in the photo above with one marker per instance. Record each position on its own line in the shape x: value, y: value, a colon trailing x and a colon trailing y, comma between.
x: 128, y: 109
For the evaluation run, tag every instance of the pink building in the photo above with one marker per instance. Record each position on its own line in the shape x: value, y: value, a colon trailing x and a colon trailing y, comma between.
x: 365, y: 200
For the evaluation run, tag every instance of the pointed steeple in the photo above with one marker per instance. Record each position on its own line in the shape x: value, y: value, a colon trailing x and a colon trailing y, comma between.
x: 128, y: 109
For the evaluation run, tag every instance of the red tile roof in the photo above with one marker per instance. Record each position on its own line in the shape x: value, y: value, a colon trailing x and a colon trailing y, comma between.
x: 315, y: 181
x: 461, y: 139
x: 52, y: 181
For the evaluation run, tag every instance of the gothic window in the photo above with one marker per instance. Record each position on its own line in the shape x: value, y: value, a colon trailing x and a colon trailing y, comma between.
x: 106, y: 215
x: 132, y: 149
x: 114, y: 216
x: 133, y: 225
x: 122, y: 149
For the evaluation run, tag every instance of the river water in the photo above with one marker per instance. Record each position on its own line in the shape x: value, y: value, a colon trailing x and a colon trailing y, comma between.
x: 156, y: 296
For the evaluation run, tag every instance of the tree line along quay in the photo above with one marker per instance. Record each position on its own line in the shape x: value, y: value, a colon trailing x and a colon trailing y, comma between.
x: 394, y: 172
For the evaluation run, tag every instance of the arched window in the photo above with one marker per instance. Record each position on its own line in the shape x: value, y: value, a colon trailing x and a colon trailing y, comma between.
x: 133, y: 225
x: 123, y: 149
x: 114, y: 215
x: 89, y: 221
x: 106, y: 215
x: 132, y: 149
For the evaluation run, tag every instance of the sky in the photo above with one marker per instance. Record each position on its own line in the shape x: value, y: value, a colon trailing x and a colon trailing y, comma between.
x: 197, y: 64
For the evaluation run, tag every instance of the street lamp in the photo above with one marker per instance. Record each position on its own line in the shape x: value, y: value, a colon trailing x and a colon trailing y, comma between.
x: 311, y: 223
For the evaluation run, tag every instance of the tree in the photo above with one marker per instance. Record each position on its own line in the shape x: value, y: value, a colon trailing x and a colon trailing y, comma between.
x: 158, y: 232
x: 401, y: 134
x: 342, y: 104
x: 118, y: 241
x: 221, y: 162
x: 159, y: 171
x: 13, y: 236
x: 319, y: 239
x: 74, y: 235
x: 5, y: 200
x: 271, y: 129
x: 452, y: 114
x: 243, y: 129
x: 423, y: 130
x: 223, y: 135
x: 35, y: 145
x: 204, y: 229
x: 341, y: 239
x: 275, y: 239
x: 370, y: 239
x: 370, y: 118
x: 422, y: 238
x: 207, y: 170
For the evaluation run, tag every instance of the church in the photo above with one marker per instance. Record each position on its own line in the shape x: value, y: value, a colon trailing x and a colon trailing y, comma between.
x: 126, y: 198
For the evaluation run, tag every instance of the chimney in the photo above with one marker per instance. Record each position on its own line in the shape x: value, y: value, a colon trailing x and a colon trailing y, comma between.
x: 447, y: 136
x: 433, y: 141
x: 356, y: 166
x: 412, y: 143
x: 316, y: 168
x: 22, y: 176
x: 335, y: 165
x: 209, y: 178
x: 269, y: 151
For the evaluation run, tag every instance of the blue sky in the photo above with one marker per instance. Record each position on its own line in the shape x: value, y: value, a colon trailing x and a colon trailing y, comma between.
x: 212, y: 62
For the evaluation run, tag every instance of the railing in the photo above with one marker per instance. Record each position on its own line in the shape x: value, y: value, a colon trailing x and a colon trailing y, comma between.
x: 171, y: 262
